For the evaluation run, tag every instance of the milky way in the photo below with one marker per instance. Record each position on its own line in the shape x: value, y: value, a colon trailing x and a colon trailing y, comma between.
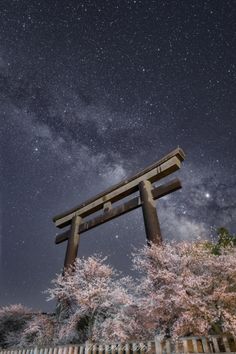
x: 93, y: 91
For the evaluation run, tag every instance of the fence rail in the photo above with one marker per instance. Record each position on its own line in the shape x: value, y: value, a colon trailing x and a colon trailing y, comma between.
x: 211, y: 344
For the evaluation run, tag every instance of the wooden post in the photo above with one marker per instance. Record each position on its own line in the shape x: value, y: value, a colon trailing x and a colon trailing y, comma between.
x: 151, y: 222
x: 158, y: 346
x: 73, y: 242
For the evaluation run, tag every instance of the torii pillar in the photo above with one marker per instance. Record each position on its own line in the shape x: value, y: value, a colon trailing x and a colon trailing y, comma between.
x: 73, y: 242
x: 151, y: 222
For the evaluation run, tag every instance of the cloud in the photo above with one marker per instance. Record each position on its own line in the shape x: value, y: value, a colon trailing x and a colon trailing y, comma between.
x: 184, y: 215
x: 83, y: 137
x: 207, y: 201
x: 68, y: 124
x: 77, y: 157
x: 116, y: 172
x: 180, y: 227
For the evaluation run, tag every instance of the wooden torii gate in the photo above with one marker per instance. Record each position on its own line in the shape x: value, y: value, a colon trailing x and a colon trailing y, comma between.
x: 106, y: 202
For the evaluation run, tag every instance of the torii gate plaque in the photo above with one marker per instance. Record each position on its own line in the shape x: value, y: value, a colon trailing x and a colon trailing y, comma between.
x: 105, y: 201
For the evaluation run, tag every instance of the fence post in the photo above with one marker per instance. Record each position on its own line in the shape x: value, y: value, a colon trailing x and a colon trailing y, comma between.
x: 149, y: 347
x: 158, y: 347
x: 88, y: 347
x: 226, y: 344
x: 215, y: 344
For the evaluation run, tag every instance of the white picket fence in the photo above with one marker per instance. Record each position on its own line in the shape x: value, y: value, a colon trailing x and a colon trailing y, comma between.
x: 211, y: 344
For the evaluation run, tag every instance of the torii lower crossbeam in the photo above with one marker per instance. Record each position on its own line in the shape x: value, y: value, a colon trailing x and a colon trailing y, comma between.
x: 106, y: 201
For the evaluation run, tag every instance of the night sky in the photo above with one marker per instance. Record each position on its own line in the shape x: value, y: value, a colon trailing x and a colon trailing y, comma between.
x: 93, y: 91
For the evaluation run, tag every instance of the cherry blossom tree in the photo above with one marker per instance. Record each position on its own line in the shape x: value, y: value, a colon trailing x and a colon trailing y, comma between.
x: 20, y: 327
x: 186, y: 289
x: 39, y: 331
x: 183, y: 289
x: 91, y: 297
x: 13, y: 320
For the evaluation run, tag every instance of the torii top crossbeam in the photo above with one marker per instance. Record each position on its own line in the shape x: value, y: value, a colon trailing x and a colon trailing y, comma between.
x: 142, y: 182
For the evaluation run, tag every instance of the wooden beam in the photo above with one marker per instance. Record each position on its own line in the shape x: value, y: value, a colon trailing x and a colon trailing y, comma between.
x: 153, y: 173
x: 132, y: 204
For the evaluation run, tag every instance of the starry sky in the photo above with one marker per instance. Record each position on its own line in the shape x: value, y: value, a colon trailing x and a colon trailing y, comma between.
x: 93, y: 91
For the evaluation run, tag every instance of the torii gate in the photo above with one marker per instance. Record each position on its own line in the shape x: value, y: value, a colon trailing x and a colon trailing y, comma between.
x: 106, y: 200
